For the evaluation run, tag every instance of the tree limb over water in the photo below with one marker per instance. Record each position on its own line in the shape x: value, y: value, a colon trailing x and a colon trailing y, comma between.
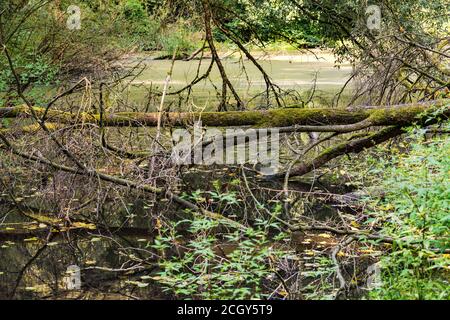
x: 306, y: 120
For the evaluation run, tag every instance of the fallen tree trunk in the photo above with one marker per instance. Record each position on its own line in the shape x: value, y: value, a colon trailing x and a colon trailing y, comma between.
x: 358, y: 143
x: 351, y: 146
x: 286, y: 120
x: 315, y: 119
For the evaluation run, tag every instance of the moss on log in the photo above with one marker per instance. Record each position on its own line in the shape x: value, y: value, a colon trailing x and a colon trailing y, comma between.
x: 384, y: 116
x: 351, y: 146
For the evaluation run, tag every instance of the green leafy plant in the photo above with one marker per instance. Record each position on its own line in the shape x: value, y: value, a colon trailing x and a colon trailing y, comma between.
x: 416, y: 213
x: 177, y: 39
x: 203, y: 263
x: 134, y: 10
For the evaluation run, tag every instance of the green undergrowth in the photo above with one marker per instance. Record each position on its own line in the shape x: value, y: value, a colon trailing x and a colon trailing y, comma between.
x: 408, y: 182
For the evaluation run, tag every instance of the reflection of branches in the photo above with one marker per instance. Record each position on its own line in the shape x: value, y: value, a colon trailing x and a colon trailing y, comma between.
x: 311, y: 146
x: 29, y: 263
x: 118, y: 181
x: 336, y: 250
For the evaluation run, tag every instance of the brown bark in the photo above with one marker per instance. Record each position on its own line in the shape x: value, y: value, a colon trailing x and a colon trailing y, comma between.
x: 216, y: 58
x: 118, y: 181
x: 353, y: 146
x: 316, y: 119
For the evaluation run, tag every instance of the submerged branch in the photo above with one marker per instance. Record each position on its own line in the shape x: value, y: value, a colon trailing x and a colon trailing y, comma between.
x: 118, y: 181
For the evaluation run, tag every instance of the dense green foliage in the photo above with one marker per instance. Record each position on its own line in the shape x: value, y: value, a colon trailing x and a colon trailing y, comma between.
x: 416, y: 212
x: 200, y: 270
x: 269, y: 21
x: 218, y: 264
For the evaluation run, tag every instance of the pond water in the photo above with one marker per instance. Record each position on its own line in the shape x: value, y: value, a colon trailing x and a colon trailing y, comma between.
x: 31, y: 270
x: 289, y: 72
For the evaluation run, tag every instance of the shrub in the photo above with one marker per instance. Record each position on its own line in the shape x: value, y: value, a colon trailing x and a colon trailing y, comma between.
x: 416, y: 212
x: 177, y: 39
x: 134, y: 10
x: 200, y: 260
